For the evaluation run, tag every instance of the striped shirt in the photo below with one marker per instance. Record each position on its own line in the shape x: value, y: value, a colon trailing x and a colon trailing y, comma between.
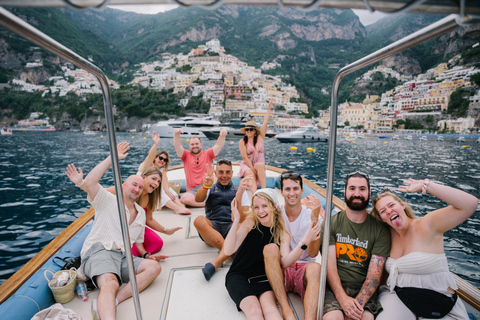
x: 106, y: 229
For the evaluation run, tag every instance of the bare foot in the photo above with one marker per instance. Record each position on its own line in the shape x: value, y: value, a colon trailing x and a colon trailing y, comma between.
x: 159, y: 256
x: 183, y: 211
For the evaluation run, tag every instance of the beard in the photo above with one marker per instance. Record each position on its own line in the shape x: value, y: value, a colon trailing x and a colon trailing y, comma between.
x: 355, y: 205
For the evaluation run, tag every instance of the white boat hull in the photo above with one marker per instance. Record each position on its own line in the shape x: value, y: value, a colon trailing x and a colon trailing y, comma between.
x: 168, y: 132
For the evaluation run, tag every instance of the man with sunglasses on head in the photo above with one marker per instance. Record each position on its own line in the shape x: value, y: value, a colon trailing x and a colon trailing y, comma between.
x: 214, y: 226
x: 302, y: 277
x: 195, y: 162
x: 358, y: 248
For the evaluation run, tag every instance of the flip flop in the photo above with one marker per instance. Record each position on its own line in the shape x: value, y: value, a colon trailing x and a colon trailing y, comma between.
x: 208, y: 271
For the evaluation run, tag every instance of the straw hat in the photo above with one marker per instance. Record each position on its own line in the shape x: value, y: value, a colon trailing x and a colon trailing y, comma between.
x: 250, y: 124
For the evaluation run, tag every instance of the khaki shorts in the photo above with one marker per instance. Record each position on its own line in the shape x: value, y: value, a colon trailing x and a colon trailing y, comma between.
x: 98, y: 260
x: 331, y: 304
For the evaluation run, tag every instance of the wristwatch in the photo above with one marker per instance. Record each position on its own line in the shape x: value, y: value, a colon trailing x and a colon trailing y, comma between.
x: 303, y: 246
x: 145, y: 254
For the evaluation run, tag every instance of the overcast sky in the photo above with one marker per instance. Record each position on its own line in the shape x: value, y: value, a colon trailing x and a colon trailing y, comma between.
x: 365, y: 16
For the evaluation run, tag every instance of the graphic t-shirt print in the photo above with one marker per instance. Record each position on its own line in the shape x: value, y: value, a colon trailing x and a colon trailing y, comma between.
x: 351, y: 250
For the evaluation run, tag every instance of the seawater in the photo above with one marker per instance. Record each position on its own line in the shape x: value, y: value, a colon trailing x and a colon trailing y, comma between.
x: 37, y: 201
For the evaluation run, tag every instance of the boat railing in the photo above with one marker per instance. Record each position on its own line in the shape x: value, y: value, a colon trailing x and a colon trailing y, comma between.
x: 446, y: 24
x: 22, y: 28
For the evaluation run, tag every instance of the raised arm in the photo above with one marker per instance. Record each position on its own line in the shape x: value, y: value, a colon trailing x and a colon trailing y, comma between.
x: 316, y: 216
x: 76, y: 176
x: 220, y: 142
x: 372, y: 281
x: 238, y: 231
x: 263, y: 129
x: 151, y: 153
x: 242, y: 187
x: 461, y: 204
x: 91, y: 180
x: 177, y: 142
x: 289, y: 257
x: 201, y: 194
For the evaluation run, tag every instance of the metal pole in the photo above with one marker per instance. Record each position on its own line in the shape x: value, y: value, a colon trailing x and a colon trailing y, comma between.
x: 27, y: 31
x: 431, y: 31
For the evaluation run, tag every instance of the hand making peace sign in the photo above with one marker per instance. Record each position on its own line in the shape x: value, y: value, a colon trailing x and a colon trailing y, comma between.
x: 208, y: 177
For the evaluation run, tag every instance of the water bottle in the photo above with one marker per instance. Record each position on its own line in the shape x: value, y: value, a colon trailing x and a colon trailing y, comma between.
x: 82, y: 290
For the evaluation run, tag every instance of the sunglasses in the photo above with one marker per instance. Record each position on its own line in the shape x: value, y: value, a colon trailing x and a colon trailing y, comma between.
x: 250, y: 129
x: 290, y: 175
x: 363, y: 174
x: 197, y: 161
x: 225, y: 161
x: 162, y: 159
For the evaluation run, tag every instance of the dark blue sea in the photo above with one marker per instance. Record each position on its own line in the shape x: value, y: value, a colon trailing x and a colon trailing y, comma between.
x: 37, y: 201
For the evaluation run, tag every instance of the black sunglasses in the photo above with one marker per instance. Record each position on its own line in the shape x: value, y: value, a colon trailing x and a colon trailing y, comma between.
x: 290, y: 175
x: 197, y: 160
x: 363, y: 174
x: 162, y: 159
x: 225, y: 161
x: 250, y: 129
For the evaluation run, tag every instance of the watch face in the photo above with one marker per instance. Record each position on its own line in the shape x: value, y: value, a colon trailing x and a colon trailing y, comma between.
x: 303, y: 247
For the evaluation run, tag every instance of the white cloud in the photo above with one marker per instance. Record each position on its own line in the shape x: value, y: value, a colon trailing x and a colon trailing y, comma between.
x: 145, y: 9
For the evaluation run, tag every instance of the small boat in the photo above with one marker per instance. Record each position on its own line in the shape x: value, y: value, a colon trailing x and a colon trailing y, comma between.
x: 460, y: 139
x: 232, y: 134
x: 191, y: 126
x: 89, y: 132
x: 6, y: 132
x: 409, y: 137
x: 439, y: 138
x: 180, y: 284
x: 423, y: 138
x: 384, y: 137
x: 395, y: 137
x: 477, y: 141
x: 302, y: 134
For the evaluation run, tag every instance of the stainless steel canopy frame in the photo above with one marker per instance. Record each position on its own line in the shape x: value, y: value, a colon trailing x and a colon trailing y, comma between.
x: 24, y: 29
x: 446, y: 24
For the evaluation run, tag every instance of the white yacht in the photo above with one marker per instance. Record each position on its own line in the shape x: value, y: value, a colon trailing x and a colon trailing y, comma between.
x: 191, y: 126
x: 302, y: 134
x: 423, y: 138
x: 439, y: 138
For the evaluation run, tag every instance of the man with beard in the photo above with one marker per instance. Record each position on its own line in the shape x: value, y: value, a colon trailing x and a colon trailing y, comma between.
x: 195, y: 163
x: 358, y: 248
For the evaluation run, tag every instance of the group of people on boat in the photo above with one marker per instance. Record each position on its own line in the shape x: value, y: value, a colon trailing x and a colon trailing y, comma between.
x: 275, y: 245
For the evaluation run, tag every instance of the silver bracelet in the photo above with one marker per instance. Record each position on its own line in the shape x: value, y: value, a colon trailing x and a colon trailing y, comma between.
x: 80, y: 184
x: 165, y: 229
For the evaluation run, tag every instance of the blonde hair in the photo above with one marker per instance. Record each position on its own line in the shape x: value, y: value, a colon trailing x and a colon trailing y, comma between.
x: 154, y: 197
x: 278, y: 226
x: 387, y: 193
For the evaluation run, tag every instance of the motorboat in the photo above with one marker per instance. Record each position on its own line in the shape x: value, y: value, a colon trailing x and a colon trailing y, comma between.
x: 384, y: 137
x: 423, y: 138
x: 302, y: 134
x: 460, y: 139
x: 477, y: 141
x: 214, y: 133
x: 395, y: 137
x: 191, y: 126
x: 180, y: 283
x: 439, y: 138
x: 409, y: 137
x: 90, y: 132
x: 6, y: 132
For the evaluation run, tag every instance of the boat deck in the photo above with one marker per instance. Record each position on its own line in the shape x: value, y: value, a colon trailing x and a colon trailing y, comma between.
x: 181, y: 291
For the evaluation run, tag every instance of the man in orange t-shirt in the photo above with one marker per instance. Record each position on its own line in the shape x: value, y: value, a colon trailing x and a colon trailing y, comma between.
x: 195, y: 163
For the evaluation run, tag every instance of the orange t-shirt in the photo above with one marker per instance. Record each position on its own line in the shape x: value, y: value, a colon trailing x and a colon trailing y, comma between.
x: 195, y: 166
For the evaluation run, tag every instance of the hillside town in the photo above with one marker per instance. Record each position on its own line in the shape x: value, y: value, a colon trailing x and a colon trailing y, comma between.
x: 233, y: 87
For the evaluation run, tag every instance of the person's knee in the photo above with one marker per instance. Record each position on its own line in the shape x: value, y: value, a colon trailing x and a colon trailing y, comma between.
x: 367, y: 315
x: 107, y: 281
x: 259, y: 166
x: 271, y: 252
x: 333, y: 315
x: 151, y: 266
x: 200, y: 222
x: 312, y: 271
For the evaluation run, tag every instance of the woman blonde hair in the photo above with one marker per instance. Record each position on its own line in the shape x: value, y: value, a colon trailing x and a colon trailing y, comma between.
x: 388, y: 193
x: 154, y: 197
x: 278, y: 226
